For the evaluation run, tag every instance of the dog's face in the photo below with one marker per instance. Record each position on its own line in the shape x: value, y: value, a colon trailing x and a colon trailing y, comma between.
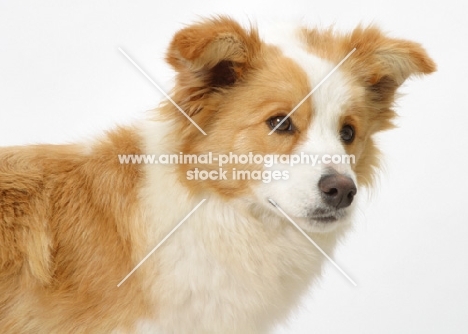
x: 239, y: 86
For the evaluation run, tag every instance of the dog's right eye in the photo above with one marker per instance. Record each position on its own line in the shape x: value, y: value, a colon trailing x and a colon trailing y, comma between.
x: 286, y: 125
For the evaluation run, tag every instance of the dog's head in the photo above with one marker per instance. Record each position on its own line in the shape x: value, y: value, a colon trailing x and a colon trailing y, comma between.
x: 239, y: 86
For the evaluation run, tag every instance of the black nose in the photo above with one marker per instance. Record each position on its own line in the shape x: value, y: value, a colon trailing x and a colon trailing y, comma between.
x: 337, y: 190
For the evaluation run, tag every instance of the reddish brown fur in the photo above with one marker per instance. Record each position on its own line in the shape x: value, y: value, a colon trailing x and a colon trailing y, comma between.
x: 69, y: 221
x: 377, y: 68
x: 379, y: 65
x: 278, y: 84
x: 68, y: 234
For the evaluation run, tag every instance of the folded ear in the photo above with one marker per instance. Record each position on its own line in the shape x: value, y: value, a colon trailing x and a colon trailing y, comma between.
x: 210, y: 55
x: 383, y: 64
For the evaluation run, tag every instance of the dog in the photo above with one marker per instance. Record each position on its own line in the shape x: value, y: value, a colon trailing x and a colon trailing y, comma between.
x: 75, y: 220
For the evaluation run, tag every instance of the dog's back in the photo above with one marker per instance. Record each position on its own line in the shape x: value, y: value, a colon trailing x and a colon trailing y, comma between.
x: 65, y: 219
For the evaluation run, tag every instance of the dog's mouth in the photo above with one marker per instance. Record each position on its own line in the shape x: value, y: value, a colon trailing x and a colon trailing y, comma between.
x: 325, y: 219
x: 319, y: 219
x: 326, y: 216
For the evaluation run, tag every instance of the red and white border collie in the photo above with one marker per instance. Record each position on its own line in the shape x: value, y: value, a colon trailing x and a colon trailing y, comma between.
x: 74, y: 220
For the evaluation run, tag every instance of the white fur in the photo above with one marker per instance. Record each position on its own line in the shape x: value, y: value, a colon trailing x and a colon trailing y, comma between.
x: 236, y: 266
x: 300, y: 194
x: 230, y: 268
x: 229, y: 274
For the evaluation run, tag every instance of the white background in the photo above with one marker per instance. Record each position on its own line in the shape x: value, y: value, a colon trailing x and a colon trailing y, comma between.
x: 63, y: 79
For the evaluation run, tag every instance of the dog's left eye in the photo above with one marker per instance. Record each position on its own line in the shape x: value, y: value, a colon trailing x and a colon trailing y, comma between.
x: 285, y: 126
x: 347, y: 133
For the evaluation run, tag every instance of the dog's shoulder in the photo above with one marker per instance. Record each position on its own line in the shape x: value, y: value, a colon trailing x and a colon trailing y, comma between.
x: 23, y: 212
x: 40, y: 184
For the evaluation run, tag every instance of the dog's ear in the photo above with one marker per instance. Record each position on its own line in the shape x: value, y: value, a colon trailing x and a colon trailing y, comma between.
x: 380, y: 63
x: 210, y: 55
x: 383, y: 64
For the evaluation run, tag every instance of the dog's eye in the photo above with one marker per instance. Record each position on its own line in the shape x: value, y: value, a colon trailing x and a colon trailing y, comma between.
x: 285, y: 126
x: 347, y: 134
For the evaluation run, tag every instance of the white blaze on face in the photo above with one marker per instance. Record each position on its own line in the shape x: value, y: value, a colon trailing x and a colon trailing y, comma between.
x: 300, y: 195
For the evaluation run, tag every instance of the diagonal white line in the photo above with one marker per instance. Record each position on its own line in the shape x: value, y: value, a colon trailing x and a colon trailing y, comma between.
x: 312, y: 241
x: 160, y: 243
x: 162, y: 92
x: 313, y: 90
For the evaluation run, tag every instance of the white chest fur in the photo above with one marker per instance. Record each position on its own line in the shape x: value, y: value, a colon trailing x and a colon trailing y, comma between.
x: 227, y: 269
